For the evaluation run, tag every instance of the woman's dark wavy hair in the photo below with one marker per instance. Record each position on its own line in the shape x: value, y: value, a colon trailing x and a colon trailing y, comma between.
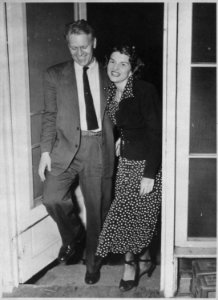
x: 130, y: 50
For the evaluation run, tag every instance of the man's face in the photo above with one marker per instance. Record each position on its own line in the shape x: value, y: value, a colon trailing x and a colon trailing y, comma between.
x: 81, y: 48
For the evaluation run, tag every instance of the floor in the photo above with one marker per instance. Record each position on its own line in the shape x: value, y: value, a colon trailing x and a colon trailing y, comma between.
x: 68, y: 281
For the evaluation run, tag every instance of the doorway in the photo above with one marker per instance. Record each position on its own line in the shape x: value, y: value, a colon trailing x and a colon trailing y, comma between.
x: 134, y: 22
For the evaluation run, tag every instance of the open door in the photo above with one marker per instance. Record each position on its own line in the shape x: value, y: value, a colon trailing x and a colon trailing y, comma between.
x: 33, y: 32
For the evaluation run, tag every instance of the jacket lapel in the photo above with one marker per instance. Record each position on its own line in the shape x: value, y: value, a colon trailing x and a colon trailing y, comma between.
x: 104, y: 82
x: 69, y: 78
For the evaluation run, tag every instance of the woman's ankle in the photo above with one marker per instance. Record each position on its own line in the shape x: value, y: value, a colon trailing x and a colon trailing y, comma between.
x: 129, y: 272
x: 129, y: 267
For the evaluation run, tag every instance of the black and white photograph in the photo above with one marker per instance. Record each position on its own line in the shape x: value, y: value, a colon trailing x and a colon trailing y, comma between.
x: 108, y: 149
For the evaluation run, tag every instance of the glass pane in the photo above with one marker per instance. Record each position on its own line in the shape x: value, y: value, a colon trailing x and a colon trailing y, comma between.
x: 37, y: 184
x: 202, y: 198
x: 203, y: 110
x: 46, y: 43
x: 46, y: 46
x: 204, y: 32
x: 35, y: 128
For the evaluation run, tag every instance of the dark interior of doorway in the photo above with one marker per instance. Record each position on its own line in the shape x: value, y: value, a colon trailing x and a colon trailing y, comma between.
x: 140, y: 23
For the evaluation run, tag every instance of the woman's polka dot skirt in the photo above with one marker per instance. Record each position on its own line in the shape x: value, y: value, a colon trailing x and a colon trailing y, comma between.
x: 131, y: 220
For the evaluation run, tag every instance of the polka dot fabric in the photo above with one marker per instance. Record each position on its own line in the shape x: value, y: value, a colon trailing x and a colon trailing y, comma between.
x: 131, y: 221
x: 112, y: 104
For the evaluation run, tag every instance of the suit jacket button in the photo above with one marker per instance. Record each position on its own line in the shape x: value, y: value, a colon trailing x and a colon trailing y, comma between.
x: 76, y: 146
x: 77, y: 128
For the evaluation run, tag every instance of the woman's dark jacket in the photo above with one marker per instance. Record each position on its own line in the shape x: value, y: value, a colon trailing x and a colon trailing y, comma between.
x: 139, y: 119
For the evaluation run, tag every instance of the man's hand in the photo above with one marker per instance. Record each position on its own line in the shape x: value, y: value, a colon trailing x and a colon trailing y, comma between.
x: 147, y: 185
x: 117, y: 147
x: 45, y: 162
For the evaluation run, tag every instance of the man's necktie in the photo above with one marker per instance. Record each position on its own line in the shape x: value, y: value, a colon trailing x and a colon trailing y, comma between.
x: 91, y: 118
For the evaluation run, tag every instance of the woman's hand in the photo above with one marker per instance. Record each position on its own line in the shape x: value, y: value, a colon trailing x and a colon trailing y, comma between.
x: 117, y: 147
x: 147, y: 185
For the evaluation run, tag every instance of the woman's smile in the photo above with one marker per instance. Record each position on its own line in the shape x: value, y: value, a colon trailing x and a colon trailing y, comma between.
x: 115, y: 74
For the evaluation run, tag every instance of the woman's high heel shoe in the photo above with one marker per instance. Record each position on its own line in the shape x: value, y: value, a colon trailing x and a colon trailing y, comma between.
x: 149, y: 271
x: 126, y: 285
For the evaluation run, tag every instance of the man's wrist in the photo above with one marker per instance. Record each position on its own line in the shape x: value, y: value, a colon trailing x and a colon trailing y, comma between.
x: 45, y: 153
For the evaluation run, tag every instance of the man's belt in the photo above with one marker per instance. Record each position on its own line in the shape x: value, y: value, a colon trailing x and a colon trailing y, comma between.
x: 91, y: 133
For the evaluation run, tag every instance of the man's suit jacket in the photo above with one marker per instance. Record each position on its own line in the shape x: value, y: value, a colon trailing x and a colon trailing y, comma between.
x: 61, y: 119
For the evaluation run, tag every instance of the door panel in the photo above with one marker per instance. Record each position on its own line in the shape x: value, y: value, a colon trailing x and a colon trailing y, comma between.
x: 34, y: 43
x: 196, y: 154
x: 202, y: 198
x: 204, y: 44
x: 38, y: 246
x: 203, y: 104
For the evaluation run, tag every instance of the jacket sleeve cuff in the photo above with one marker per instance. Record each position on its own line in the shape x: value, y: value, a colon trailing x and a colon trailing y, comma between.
x: 45, y: 148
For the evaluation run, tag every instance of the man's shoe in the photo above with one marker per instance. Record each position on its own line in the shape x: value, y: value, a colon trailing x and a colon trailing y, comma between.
x: 65, y: 254
x: 92, y: 278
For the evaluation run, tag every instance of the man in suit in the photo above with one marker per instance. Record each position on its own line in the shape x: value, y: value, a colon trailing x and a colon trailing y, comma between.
x: 77, y: 141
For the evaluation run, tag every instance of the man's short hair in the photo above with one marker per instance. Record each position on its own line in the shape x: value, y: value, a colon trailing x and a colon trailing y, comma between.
x: 78, y: 27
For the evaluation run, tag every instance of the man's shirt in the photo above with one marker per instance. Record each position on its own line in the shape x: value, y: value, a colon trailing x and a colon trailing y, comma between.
x: 94, y: 83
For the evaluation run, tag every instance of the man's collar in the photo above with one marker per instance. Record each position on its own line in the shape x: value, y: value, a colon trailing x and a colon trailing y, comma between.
x: 91, y: 65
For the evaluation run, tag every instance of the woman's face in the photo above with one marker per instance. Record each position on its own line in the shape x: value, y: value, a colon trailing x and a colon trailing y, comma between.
x: 119, y: 68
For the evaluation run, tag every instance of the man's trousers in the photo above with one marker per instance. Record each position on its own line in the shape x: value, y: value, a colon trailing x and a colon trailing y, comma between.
x: 96, y: 189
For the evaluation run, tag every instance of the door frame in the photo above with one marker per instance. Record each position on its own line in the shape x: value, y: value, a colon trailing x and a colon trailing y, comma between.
x: 168, y: 284
x: 8, y: 242
x: 9, y: 260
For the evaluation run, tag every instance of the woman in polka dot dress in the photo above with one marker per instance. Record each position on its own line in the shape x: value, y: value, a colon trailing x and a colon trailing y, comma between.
x: 133, y: 106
